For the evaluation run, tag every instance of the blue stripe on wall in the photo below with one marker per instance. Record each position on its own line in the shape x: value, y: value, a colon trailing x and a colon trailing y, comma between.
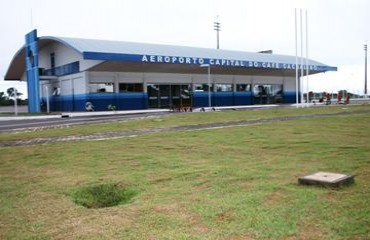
x: 223, y: 99
x: 243, y: 98
x: 63, y: 70
x: 132, y: 101
x: 112, y: 56
x: 122, y: 101
x: 289, y: 97
x: 200, y: 99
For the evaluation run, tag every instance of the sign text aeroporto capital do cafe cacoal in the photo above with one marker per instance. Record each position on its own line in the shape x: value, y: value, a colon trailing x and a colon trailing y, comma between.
x: 221, y: 62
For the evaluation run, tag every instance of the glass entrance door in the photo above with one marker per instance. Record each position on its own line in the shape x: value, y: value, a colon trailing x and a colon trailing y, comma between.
x: 268, y: 93
x: 169, y: 95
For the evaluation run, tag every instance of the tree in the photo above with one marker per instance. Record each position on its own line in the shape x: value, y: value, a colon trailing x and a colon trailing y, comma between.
x: 13, y: 93
x: 7, y: 98
x: 3, y: 99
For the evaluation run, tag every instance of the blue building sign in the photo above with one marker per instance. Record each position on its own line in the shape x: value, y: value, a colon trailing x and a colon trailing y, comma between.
x: 199, y: 61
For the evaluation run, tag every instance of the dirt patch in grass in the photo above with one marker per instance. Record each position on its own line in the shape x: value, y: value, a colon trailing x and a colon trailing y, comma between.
x: 276, y: 198
x: 308, y: 231
x: 226, y: 216
x: 202, y: 185
x: 178, y: 211
x: 59, y: 218
x: 240, y: 238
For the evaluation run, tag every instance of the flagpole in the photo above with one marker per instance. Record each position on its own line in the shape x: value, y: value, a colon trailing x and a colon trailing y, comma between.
x: 307, y: 69
x: 301, y: 77
x: 296, y: 58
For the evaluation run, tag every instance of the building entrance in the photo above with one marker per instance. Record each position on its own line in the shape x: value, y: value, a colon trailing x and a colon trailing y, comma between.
x: 169, y: 95
x: 268, y: 93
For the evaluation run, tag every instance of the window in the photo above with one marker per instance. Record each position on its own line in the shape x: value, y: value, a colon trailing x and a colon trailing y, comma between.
x: 101, y: 87
x: 56, y: 91
x: 130, y: 87
x: 243, y: 87
x: 52, y: 63
x: 268, y: 93
x: 224, y: 87
x: 202, y: 88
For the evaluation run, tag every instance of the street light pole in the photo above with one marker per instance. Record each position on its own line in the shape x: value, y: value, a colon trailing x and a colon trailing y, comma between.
x: 15, y: 102
x: 217, y: 28
x: 209, y: 82
x: 365, y: 48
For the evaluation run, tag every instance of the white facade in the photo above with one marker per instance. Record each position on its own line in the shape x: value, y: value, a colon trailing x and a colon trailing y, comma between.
x: 75, y: 71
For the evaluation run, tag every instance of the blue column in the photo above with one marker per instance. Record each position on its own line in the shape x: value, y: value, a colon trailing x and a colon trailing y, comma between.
x: 32, y: 72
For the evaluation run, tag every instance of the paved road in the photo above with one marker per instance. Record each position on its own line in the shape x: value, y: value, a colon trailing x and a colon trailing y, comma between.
x: 33, y: 124
x: 10, y: 109
x: 121, y: 134
x: 9, y: 124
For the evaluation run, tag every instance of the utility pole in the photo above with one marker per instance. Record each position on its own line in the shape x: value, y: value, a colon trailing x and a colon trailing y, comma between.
x: 217, y: 28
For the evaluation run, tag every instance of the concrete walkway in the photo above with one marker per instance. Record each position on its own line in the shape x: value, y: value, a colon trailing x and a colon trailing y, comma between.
x: 126, y: 112
x: 83, y: 114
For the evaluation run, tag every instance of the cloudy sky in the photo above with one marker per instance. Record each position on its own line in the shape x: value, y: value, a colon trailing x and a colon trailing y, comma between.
x: 337, y: 29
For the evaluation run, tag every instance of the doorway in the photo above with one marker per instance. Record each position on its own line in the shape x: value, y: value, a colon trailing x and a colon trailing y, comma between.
x: 169, y: 95
x: 268, y: 93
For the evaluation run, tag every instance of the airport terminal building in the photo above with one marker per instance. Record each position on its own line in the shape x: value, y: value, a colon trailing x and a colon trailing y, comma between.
x: 74, y: 74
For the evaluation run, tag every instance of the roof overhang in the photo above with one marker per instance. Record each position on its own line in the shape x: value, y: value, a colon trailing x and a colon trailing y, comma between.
x: 17, y: 66
x: 114, y: 62
x: 117, y: 66
x: 138, y: 57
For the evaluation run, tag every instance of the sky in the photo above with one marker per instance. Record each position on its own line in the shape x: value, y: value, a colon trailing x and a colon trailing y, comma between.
x: 337, y: 29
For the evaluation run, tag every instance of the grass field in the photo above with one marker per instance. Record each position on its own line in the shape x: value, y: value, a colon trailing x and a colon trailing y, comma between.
x: 227, y: 183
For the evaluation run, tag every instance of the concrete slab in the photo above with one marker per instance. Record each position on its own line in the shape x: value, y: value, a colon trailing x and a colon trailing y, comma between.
x: 326, y: 179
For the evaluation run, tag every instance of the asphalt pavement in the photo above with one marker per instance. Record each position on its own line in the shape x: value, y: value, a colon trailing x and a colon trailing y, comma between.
x: 34, y: 123
x: 122, y: 134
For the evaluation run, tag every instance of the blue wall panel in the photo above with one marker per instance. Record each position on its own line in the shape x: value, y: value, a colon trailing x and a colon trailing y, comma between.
x: 200, y: 99
x: 132, y: 101
x: 243, y: 98
x: 223, y: 99
x: 100, y: 101
x: 63, y: 70
x: 122, y: 101
x: 289, y: 97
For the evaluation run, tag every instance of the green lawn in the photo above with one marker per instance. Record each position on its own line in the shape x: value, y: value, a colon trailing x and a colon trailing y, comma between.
x: 230, y: 183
